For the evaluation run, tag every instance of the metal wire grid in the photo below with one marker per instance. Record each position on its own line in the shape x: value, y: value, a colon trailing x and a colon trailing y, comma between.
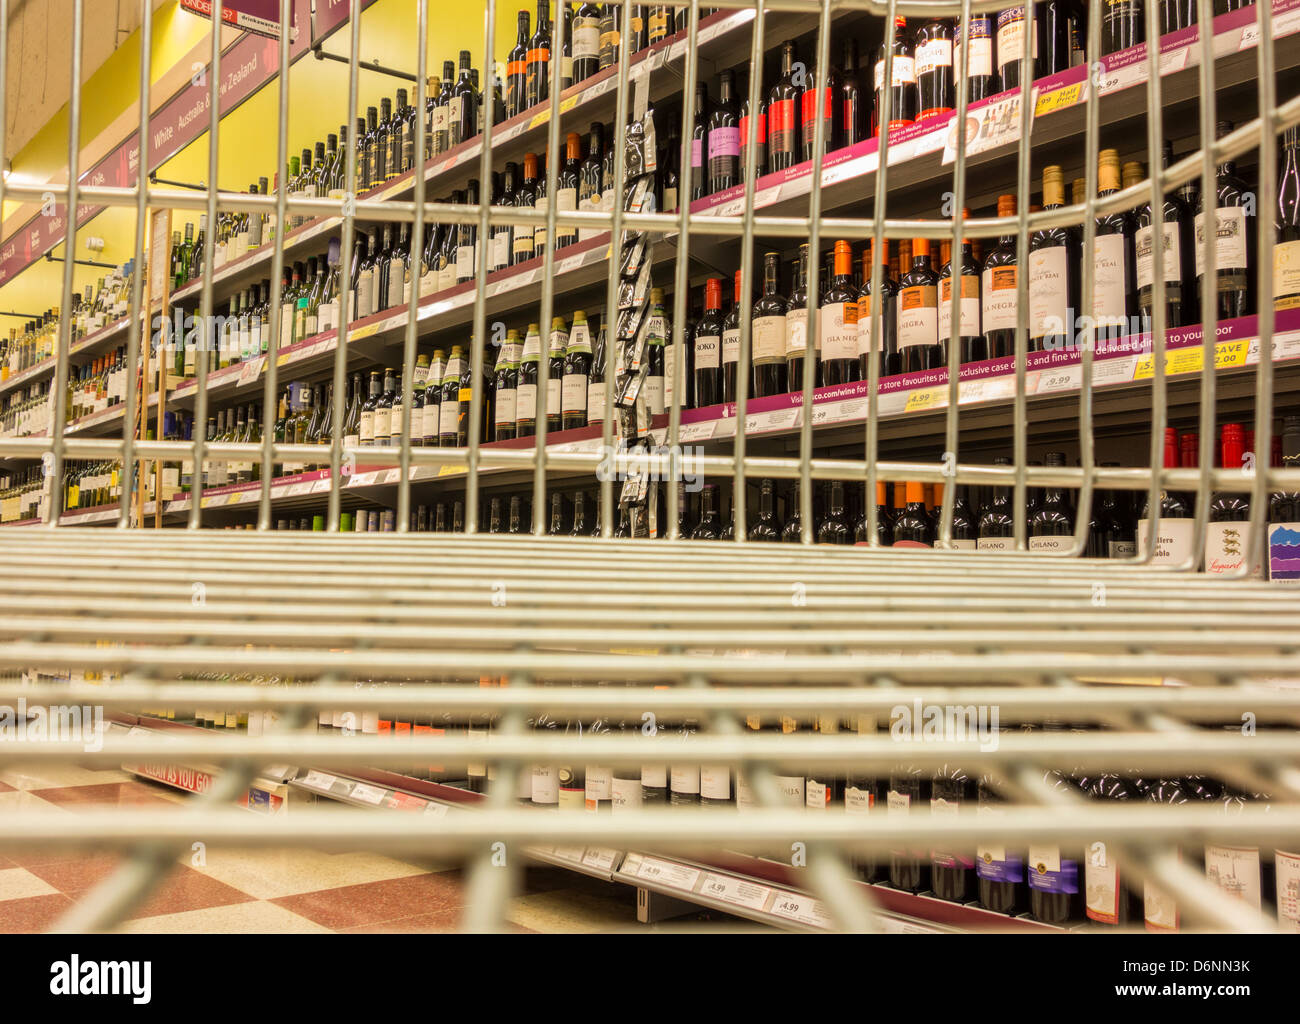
x: 870, y: 629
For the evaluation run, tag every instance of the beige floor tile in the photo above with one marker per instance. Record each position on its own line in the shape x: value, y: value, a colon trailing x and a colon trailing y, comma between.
x: 267, y: 874
x: 19, y: 884
x: 22, y: 800
x: 568, y: 910
x: 257, y: 918
x: 49, y: 776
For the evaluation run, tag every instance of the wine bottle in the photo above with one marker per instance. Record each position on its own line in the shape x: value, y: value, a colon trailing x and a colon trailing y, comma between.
x: 951, y: 874
x: 507, y: 388
x: 918, y: 313
x: 832, y: 115
x: 567, y: 186
x: 1054, y: 894
x: 1123, y: 24
x: 769, y: 333
x: 710, y: 525
x: 1113, y: 257
x: 1174, y: 544
x: 708, y: 347
x: 1110, y: 898
x: 796, y: 328
x: 888, y: 345
x: 975, y: 59
x: 1177, y: 237
x: 969, y: 334
x: 1227, y: 537
x: 913, y: 529
x: 724, y: 137
x: 760, y: 151
x: 1284, y: 511
x: 1051, y: 528
x: 903, y: 95
x: 783, y: 111
x: 576, y: 374
x: 908, y: 795
x: 449, y: 399
x: 999, y: 870
x: 517, y: 69
x: 1055, y: 50
x: 537, y: 67
x: 463, y: 109
x: 586, y: 41
x: 1286, y: 250
x: 522, y: 243
x: 1053, y: 274
x: 934, y: 68
x: 838, y: 322
x: 854, y: 126
x: 834, y: 529
x: 699, y: 140
x: 1233, y: 239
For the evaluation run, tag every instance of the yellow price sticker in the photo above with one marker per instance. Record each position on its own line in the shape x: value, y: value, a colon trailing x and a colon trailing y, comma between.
x: 450, y: 470
x: 929, y: 398
x: 1191, y: 360
x: 1231, y: 353
x: 1059, y: 99
x: 364, y: 332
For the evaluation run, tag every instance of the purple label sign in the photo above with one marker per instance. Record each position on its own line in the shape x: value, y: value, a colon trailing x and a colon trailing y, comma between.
x: 260, y: 16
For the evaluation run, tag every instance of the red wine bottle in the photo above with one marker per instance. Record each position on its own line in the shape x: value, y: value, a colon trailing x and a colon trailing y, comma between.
x: 918, y: 313
x: 934, y: 68
x: 783, y: 110
x: 832, y: 114
x: 969, y: 334
x: 838, y: 322
x: 903, y: 95
x: 769, y: 330
x: 724, y: 138
x: 708, y: 346
x: 908, y: 795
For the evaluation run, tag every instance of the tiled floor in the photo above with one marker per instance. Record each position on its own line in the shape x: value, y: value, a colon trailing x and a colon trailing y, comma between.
x: 243, y: 891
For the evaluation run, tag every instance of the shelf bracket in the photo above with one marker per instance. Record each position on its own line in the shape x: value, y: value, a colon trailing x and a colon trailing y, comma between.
x: 364, y: 65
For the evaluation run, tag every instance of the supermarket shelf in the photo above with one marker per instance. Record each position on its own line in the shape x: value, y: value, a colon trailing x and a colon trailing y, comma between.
x: 723, y: 40
x: 92, y: 344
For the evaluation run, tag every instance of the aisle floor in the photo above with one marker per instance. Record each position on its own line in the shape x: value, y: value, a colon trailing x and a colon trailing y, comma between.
x: 243, y: 891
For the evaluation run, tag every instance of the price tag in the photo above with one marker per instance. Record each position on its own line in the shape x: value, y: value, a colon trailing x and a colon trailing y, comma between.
x: 931, y: 143
x: 251, y: 370
x: 701, y: 431
x: 1059, y: 99
x: 215, y: 500
x: 735, y: 890
x: 1174, y: 60
x: 437, y: 810
x: 318, y: 780
x: 569, y: 263
x: 570, y: 853
x: 988, y: 127
x: 1231, y: 353
x: 767, y: 196
x: 777, y: 419
x: 1115, y: 79
x: 367, y: 794
x: 294, y: 490
x: 674, y: 876
x: 392, y: 475
x: 362, y: 479
x: 1183, y: 360
x: 803, y: 909
x: 925, y: 399
x: 321, y: 485
x: 599, y: 857
x: 365, y: 331
x: 451, y: 470
x: 1065, y: 378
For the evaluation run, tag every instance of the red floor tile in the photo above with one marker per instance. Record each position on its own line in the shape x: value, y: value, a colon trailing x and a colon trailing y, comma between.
x: 187, y: 889
x: 445, y: 920
x: 71, y: 874
x: 6, y: 788
x: 355, y: 906
x: 34, y: 914
x: 111, y: 793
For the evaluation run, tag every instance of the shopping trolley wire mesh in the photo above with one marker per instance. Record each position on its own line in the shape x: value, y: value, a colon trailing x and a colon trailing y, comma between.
x: 872, y: 630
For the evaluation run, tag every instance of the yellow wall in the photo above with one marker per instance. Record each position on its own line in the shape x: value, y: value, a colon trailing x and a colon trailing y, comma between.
x: 317, y: 106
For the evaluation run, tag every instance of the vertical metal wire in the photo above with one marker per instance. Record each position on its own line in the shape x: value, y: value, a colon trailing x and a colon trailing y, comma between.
x: 345, y: 261
x: 606, y: 523
x: 814, y: 279
x: 1256, y: 544
x: 416, y: 253
x: 481, y: 249
x: 1209, y: 289
x: 271, y: 370
x: 1021, y: 405
x: 209, y: 248
x: 682, y: 277
x: 548, y: 291
x: 749, y: 175
x: 1159, y: 319
x: 883, y: 114
x: 956, y: 272
x: 133, y: 385
x: 1092, y: 145
x: 61, y: 368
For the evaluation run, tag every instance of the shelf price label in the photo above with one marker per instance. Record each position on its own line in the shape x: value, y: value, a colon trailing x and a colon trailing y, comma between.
x: 674, y: 876
x: 318, y: 780
x: 599, y: 857
x: 925, y: 399
x: 367, y: 794
x: 803, y: 909
x: 1059, y: 99
x: 1191, y: 360
x: 991, y: 126
x: 572, y: 853
x: 735, y: 890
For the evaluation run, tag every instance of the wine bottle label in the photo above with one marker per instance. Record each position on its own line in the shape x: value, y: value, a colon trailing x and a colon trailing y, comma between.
x: 653, y: 393
x: 1049, y: 872
x: 466, y: 262
x: 395, y: 418
x: 1173, y: 546
x: 505, y: 407
x: 440, y: 119
x: 1159, y: 909
x: 838, y: 330
x: 1011, y: 36
x: 931, y: 56
x: 539, y: 230
x: 625, y: 794
x: 864, y: 325
x: 769, y: 339
x: 1110, y: 288
x: 904, y: 72
x: 447, y: 275
x: 352, y: 440
x: 780, y: 127
x: 1286, y: 275
x: 858, y: 800
x: 546, y: 784
x: 573, y: 394
x: 969, y: 316
x: 654, y: 776
x: 448, y: 417
x: 978, y: 52
x: 683, y: 778
x: 595, y: 398
x: 1145, y: 245
x: 571, y: 798
x: 708, y: 350
x: 996, y: 544
x: 500, y: 250
x: 1229, y: 242
x: 1235, y: 870
x: 817, y: 795
x: 697, y: 153
x: 523, y: 241
x: 1287, y: 874
x: 383, y: 420
x: 1226, y: 545
x: 365, y: 297
x: 809, y: 111
x: 1049, y: 297
x: 963, y: 544
x: 396, y: 282
x: 1284, y: 552
x: 1000, y: 310
x: 724, y: 151
x: 731, y: 345
x: 898, y: 803
x: 526, y: 403
x: 367, y: 427
x: 1051, y: 543
x: 918, y: 316
x: 796, y: 332
x: 1121, y: 549
x: 792, y: 790
x: 715, y: 782
x: 553, y: 395
x: 586, y: 38
x: 1101, y: 885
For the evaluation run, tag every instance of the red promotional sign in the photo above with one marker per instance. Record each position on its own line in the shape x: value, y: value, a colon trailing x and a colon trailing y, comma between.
x: 249, y: 63
x: 260, y: 16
